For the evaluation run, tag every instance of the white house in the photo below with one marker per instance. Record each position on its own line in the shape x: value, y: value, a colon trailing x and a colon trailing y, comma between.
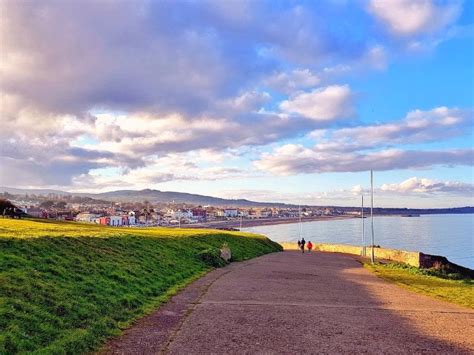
x: 180, y: 214
x: 243, y: 213
x: 265, y: 213
x: 231, y: 212
x: 87, y: 217
x: 116, y: 220
x: 132, y: 220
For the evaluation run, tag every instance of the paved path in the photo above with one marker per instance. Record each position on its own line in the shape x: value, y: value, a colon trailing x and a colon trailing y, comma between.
x: 288, y: 303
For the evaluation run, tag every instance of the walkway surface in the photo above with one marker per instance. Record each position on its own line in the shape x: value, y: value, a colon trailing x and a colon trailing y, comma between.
x: 288, y: 303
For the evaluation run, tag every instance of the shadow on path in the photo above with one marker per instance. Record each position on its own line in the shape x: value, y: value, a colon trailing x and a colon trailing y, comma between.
x: 314, y: 303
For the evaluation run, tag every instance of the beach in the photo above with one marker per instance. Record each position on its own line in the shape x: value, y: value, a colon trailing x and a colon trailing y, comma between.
x: 246, y: 223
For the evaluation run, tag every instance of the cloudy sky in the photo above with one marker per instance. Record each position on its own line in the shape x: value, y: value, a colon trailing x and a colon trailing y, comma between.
x: 288, y: 101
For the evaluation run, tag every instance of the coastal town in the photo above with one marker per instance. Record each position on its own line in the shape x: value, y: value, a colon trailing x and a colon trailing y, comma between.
x: 132, y: 214
x: 190, y: 214
x: 236, y: 177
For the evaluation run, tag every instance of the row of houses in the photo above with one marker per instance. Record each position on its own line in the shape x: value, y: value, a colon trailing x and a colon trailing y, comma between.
x: 170, y: 216
x: 116, y: 215
x: 206, y: 214
x: 126, y: 219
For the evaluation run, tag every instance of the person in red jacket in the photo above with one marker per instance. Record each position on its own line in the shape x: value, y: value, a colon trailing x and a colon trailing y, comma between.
x: 309, y: 246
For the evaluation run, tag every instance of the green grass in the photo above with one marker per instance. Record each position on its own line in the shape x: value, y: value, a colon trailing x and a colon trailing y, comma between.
x: 448, y: 288
x: 66, y: 287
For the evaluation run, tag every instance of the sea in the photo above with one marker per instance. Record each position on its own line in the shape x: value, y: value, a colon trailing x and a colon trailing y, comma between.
x: 449, y: 235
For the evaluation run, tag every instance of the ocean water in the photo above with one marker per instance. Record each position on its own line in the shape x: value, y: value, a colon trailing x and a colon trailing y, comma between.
x: 448, y: 235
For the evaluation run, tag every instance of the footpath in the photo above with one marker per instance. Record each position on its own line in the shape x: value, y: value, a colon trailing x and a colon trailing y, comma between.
x: 289, y: 303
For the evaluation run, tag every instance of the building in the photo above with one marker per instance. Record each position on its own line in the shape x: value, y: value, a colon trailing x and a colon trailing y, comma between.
x: 264, y: 213
x: 105, y: 221
x: 199, y: 214
x: 36, y: 212
x: 116, y: 220
x: 87, y: 217
x: 243, y: 213
x: 231, y: 213
x: 131, y: 220
x: 179, y: 214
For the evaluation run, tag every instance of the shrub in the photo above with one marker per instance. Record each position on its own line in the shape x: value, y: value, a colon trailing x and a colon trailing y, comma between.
x: 212, y: 257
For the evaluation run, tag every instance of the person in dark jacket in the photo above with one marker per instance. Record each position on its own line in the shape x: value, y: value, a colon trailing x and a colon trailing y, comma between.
x: 302, y: 244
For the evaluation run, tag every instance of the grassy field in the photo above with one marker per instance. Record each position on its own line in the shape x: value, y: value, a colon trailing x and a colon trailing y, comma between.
x: 428, y: 282
x: 65, y: 287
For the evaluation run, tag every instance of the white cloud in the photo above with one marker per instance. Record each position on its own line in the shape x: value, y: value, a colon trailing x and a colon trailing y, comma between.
x: 439, y: 193
x: 250, y: 101
x: 171, y: 167
x: 293, y: 159
x: 357, y: 190
x: 309, y: 198
x: 371, y: 147
x: 427, y: 186
x: 289, y: 82
x: 146, y: 134
x: 412, y: 17
x: 323, y: 104
x: 376, y: 58
x: 417, y: 126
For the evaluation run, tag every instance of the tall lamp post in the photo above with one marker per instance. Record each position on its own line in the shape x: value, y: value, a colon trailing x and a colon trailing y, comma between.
x: 363, y: 225
x: 372, y: 256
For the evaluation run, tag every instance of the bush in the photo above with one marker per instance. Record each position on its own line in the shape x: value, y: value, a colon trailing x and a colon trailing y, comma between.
x: 212, y: 257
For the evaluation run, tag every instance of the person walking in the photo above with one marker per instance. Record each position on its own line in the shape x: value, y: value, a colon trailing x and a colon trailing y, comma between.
x: 303, y: 242
x: 299, y: 244
x: 309, y: 246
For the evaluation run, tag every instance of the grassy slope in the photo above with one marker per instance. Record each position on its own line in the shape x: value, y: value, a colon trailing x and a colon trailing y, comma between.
x: 65, y: 287
x: 427, y: 282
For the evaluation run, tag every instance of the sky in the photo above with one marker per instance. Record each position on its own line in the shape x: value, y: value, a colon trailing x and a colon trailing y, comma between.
x: 288, y: 101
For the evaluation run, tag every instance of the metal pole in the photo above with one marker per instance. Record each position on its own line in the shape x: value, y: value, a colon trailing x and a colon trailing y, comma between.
x: 299, y: 213
x: 363, y: 226
x: 372, y: 257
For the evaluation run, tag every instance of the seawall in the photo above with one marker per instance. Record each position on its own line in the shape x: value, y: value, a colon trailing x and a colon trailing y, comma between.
x: 401, y: 256
x: 413, y: 258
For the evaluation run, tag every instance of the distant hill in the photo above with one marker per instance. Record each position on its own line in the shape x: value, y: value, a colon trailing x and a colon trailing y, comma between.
x: 157, y: 196
x: 154, y: 196
x: 15, y: 191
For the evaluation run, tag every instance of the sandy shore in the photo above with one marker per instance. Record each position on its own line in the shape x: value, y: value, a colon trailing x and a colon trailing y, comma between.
x: 264, y: 222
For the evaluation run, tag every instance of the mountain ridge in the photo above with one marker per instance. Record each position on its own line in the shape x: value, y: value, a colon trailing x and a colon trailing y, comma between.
x: 158, y: 196
x: 152, y: 195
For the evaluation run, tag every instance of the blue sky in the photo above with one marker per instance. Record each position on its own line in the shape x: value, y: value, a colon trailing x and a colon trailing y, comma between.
x: 291, y: 101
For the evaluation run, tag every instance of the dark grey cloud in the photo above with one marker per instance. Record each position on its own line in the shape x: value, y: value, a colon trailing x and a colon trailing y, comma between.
x: 156, y: 55
x: 53, y: 162
x: 16, y: 172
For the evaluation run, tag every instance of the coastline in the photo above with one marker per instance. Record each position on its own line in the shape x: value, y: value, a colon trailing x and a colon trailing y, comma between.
x: 247, y: 223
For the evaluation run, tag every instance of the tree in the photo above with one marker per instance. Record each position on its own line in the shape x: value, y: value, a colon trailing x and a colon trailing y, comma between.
x: 47, y: 204
x: 5, y: 207
x: 9, y: 209
x: 60, y: 205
